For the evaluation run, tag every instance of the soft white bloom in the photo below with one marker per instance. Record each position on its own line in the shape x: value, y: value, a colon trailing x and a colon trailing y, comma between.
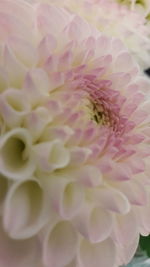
x: 74, y: 135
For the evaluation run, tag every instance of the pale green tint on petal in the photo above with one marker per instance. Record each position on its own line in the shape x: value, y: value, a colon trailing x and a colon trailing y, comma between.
x: 3, y: 79
x: 3, y: 188
x: 97, y: 255
x: 15, y: 154
x: 60, y: 245
x: 26, y: 209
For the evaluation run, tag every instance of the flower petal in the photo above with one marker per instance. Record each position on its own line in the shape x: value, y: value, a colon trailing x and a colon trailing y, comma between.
x: 51, y: 155
x: 15, y: 154
x: 25, y: 210
x: 94, y: 223
x: 111, y: 199
x: 58, y: 253
x: 96, y: 255
x: 18, y: 253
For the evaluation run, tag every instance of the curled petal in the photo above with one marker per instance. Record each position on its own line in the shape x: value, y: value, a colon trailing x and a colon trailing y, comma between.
x: 16, y: 160
x: 51, y: 155
x: 25, y: 215
x: 110, y: 199
x: 66, y: 197
x: 61, y: 132
x: 3, y: 188
x: 13, y: 106
x: 58, y: 253
x: 94, y: 223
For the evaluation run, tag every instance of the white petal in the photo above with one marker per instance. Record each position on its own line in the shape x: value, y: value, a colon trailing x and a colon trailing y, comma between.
x: 16, y: 160
x: 60, y: 245
x: 134, y: 191
x: 18, y: 253
x: 125, y: 253
x: 36, y: 121
x: 66, y: 197
x: 24, y: 51
x: 88, y: 175
x: 16, y: 70
x: 36, y: 85
x: 46, y: 47
x: 96, y: 255
x: 25, y: 210
x: 51, y: 155
x: 94, y: 224
x: 125, y: 228
x: 79, y: 155
x: 61, y: 132
x: 13, y: 107
x: 111, y: 199
x: 124, y: 62
x: 48, y: 19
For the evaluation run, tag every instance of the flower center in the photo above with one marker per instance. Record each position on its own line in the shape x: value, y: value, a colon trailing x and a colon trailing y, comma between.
x: 105, y: 104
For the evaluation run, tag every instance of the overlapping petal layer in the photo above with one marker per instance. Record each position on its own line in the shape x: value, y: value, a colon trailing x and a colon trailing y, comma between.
x: 74, y: 135
x: 127, y: 20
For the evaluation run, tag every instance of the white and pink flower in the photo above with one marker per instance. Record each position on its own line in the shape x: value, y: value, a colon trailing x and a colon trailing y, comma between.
x: 74, y: 135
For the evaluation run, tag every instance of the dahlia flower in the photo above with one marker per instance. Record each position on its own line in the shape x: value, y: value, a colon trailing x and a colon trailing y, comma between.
x: 74, y: 134
x: 115, y: 20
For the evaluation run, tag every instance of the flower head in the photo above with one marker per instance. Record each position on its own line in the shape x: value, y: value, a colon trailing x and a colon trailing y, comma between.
x: 74, y: 118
